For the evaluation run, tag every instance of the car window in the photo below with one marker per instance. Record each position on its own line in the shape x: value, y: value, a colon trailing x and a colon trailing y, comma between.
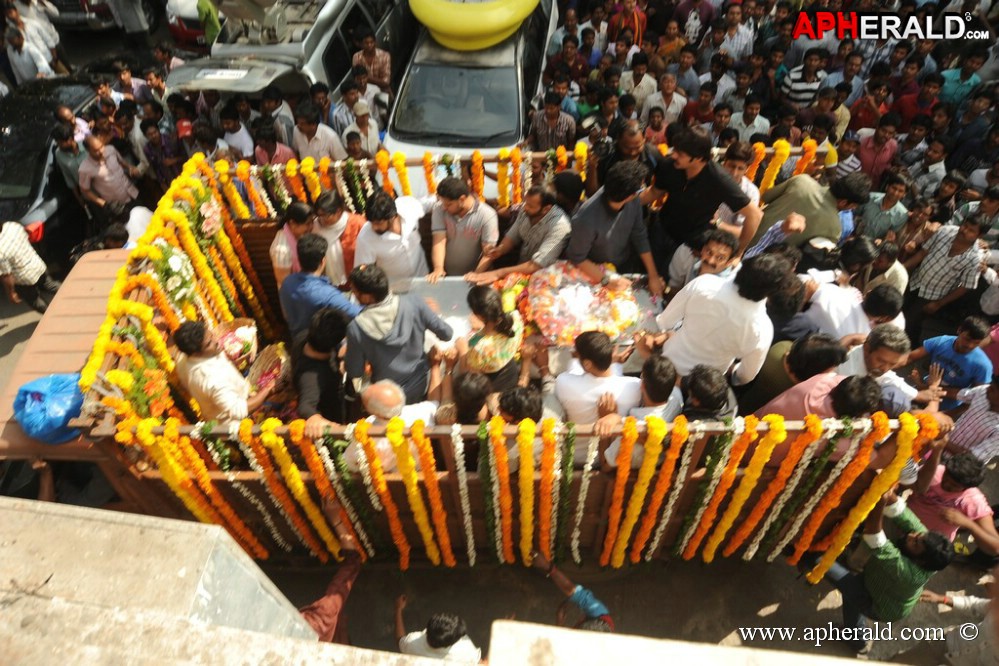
x: 378, y: 9
x: 353, y: 25
x: 535, y: 42
x: 451, y: 105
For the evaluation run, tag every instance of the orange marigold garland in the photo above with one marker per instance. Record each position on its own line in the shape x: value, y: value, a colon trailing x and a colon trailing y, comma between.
x: 437, y: 512
x: 381, y: 487
x: 677, y: 439
x: 807, y: 437
x: 497, y: 442
x: 546, y: 490
x: 655, y: 429
x: 410, y: 480
x: 629, y: 435
x: 747, y: 437
x: 759, y: 154
x: 478, y: 173
x: 929, y: 430
x: 834, y: 496
x: 516, y: 177
x: 382, y: 160
x: 294, y: 181
x: 428, y: 173
x: 561, y: 159
x: 808, y: 149
x: 243, y: 174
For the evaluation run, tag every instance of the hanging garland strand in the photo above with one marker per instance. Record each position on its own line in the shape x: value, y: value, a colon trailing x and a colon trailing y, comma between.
x: 525, y: 448
x: 655, y: 429
x: 545, y: 498
x: 410, y: 479
x: 458, y: 444
x: 381, y: 488
x: 437, y: 513
x: 629, y: 435
x: 567, y: 449
x: 677, y: 439
x: 502, y: 475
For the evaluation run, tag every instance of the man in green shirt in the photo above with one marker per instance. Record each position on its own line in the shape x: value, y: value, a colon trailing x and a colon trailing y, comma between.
x: 894, y: 576
x: 208, y: 14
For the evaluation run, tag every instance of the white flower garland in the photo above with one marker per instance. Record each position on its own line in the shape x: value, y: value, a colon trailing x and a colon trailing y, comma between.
x: 738, y: 427
x: 255, y: 466
x: 245, y: 492
x: 365, y: 168
x: 258, y: 184
x: 341, y: 186
x: 556, y: 481
x: 817, y: 496
x: 584, y: 488
x: 458, y: 444
x: 362, y: 465
x: 829, y: 427
x: 528, y: 178
x: 280, y: 190
x: 341, y: 495
x: 674, y: 493
x: 497, y: 512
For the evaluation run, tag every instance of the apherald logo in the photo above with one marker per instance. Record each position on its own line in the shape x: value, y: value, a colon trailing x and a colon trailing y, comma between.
x: 883, y: 26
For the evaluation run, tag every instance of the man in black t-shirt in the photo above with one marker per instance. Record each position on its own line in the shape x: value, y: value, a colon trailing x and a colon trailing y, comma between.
x: 315, y: 374
x: 696, y: 185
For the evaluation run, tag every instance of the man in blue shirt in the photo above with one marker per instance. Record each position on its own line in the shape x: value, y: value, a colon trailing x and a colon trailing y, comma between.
x: 596, y: 617
x: 306, y: 292
x: 961, y: 358
x: 959, y: 82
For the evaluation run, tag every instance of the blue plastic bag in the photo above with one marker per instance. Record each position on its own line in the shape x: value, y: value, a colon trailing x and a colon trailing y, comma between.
x: 45, y: 406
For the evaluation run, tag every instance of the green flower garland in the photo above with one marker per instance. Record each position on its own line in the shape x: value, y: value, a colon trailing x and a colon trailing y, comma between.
x: 561, y: 545
x: 358, y: 499
x: 486, y: 482
x: 718, y: 445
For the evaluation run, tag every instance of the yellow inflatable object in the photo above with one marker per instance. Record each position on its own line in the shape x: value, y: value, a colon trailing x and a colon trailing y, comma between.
x: 471, y: 26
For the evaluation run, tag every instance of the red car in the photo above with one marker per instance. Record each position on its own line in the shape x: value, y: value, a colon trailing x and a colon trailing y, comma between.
x: 185, y: 26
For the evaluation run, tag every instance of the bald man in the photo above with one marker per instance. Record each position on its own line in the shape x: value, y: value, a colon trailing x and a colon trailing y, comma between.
x: 385, y: 400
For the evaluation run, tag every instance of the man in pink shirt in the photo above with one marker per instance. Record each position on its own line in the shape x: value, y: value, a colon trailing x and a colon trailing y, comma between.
x: 269, y: 150
x: 947, y: 498
x: 877, y: 152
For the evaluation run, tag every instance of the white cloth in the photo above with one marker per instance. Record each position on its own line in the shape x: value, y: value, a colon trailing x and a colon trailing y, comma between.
x: 336, y: 270
x: 400, y: 255
x: 28, y: 63
x: 138, y: 220
x: 280, y: 252
x: 216, y: 384
x: 578, y: 393
x: 667, y: 412
x: 464, y: 650
x: 241, y: 141
x: 727, y: 215
x: 369, y: 140
x: 838, y: 311
x: 719, y: 327
x: 325, y: 143
x: 891, y: 384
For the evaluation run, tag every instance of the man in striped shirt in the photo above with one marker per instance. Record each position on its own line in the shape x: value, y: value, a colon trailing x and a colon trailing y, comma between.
x: 802, y: 83
x: 976, y: 431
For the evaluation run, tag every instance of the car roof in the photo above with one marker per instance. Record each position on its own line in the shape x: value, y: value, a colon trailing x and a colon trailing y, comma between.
x: 26, y: 119
x: 503, y: 54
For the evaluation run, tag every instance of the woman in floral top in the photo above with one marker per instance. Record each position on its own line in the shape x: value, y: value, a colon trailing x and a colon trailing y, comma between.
x: 493, y: 349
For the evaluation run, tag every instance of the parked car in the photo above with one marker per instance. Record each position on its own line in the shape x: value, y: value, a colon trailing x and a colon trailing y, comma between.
x: 185, y: 26
x: 457, y: 102
x: 96, y: 15
x: 31, y: 187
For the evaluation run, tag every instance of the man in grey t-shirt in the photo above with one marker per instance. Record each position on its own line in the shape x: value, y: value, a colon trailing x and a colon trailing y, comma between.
x: 464, y: 230
x: 609, y: 228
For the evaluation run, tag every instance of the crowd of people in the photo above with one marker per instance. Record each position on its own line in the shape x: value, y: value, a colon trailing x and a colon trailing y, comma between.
x: 865, y: 282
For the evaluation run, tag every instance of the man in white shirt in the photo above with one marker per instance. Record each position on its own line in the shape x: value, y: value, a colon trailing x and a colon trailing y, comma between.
x: 886, y: 348
x: 391, y: 238
x: 236, y: 135
x: 724, y: 320
x: 26, y: 60
x: 840, y: 311
x: 210, y: 377
x: 312, y: 138
x: 445, y: 637
x: 580, y: 393
x: 749, y: 121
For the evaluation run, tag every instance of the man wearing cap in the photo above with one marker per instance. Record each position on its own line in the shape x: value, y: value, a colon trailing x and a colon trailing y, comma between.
x: 365, y: 126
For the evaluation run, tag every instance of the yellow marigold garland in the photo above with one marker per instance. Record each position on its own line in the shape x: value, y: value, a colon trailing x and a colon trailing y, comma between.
x: 324, y: 173
x: 655, y: 432
x: 308, y: 170
x: 747, y: 437
x: 516, y: 159
x: 233, y: 252
x: 204, y: 272
x: 503, y: 178
x: 629, y: 435
x: 399, y: 162
x: 782, y: 150
x: 292, y: 177
x: 230, y: 191
x: 807, y: 437
x: 880, y: 429
x: 407, y: 469
x: 776, y: 434
x: 546, y: 491
x: 382, y: 161
x: 759, y: 154
x: 498, y: 443
x: 243, y: 174
x: 525, y: 448
x: 381, y: 487
x: 580, y: 154
x: 908, y: 429
x: 428, y: 173
x: 437, y: 512
x: 677, y: 439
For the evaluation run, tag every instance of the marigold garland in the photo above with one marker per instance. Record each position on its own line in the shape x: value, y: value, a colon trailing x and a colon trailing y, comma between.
x: 243, y: 174
x: 230, y: 191
x: 677, y: 439
x: 655, y: 432
x: 808, y: 149
x: 629, y: 435
x: 294, y: 180
x: 834, y: 496
x: 525, y: 448
x: 204, y: 272
x: 807, y: 437
x: 497, y: 442
x: 580, y: 154
x: 246, y: 280
x: 503, y: 178
x: 516, y: 159
x: 929, y: 430
x: 382, y: 161
x: 547, y: 488
x: 776, y: 434
x: 477, y: 172
x: 399, y: 163
x: 907, y: 432
x: 324, y: 173
x: 381, y: 487
x: 747, y: 437
x: 759, y: 154
x: 308, y: 171
x: 561, y: 159
x: 407, y: 470
x: 428, y: 173
x: 437, y: 512
x: 782, y: 150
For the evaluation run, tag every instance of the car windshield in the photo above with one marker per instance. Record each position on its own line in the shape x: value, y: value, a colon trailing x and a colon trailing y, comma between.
x: 16, y: 177
x: 452, y: 105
